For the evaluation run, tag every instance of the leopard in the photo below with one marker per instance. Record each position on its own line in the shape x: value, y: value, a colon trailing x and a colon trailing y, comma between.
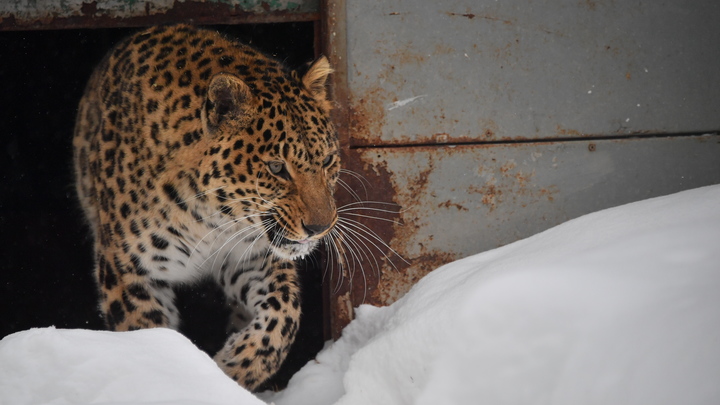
x: 198, y: 157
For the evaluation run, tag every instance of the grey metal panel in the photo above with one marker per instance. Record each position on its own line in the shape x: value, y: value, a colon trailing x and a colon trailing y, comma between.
x: 457, y: 201
x: 427, y: 71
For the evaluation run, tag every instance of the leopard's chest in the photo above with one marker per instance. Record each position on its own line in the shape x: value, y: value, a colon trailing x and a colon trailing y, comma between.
x: 207, y: 245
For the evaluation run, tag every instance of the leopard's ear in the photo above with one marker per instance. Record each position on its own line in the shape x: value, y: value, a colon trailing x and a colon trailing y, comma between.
x: 229, y: 103
x: 315, y: 79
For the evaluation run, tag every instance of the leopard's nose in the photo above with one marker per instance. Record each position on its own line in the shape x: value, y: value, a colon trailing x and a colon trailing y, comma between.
x: 315, y: 229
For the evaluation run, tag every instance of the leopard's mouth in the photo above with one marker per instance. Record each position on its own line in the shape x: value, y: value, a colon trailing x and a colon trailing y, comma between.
x: 288, y: 248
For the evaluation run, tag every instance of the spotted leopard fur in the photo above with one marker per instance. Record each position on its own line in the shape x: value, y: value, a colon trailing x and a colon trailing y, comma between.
x: 197, y: 156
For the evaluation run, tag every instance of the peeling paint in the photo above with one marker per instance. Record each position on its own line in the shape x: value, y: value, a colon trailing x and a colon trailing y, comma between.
x: 402, y: 103
x: 52, y: 14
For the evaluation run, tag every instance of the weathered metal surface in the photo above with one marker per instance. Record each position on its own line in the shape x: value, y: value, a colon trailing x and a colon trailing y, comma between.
x: 434, y: 72
x: 456, y: 201
x: 54, y: 14
x: 338, y: 306
x: 548, y: 110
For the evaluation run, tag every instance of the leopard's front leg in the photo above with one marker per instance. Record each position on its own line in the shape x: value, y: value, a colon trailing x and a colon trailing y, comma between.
x: 272, y: 294
x: 129, y: 298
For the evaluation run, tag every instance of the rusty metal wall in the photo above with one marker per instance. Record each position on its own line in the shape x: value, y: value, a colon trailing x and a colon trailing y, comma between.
x: 487, y: 122
x: 57, y: 14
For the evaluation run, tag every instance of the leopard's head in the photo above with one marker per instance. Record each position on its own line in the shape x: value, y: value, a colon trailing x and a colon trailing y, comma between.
x: 274, y: 154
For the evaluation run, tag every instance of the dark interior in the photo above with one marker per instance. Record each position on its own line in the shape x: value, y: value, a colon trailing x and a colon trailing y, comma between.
x: 45, y: 249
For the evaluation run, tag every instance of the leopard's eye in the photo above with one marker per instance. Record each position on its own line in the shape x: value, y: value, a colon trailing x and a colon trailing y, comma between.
x: 327, y: 161
x: 277, y: 168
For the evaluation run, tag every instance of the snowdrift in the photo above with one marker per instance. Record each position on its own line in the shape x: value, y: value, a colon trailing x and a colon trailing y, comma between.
x: 617, y: 307
x: 153, y: 366
x: 620, y: 306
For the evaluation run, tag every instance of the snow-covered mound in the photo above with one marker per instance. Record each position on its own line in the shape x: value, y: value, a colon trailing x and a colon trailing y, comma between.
x: 617, y: 307
x: 153, y: 366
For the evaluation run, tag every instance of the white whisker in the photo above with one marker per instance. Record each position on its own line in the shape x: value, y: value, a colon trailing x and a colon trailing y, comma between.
x: 356, y: 243
x: 361, y: 230
x: 250, y: 228
x: 371, y: 217
x: 349, y: 190
x: 263, y: 226
x: 359, y: 177
x: 363, y: 251
x: 342, y: 259
x: 225, y: 225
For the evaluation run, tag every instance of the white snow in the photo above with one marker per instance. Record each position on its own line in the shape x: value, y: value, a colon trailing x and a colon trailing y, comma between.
x: 617, y: 307
x: 153, y: 366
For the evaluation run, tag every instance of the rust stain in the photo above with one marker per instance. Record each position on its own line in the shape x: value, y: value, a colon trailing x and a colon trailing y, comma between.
x: 449, y: 204
x: 548, y: 194
x: 491, y: 195
x: 396, y: 283
x: 505, y: 168
x: 614, y: 50
x: 590, y: 4
x: 523, y: 179
x: 342, y: 313
x: 402, y: 56
x: 443, y: 49
x: 418, y: 186
x: 567, y: 132
x: 491, y: 128
x: 393, y: 285
x: 471, y: 16
x: 370, y: 138
x: 372, y: 182
x: 504, y: 52
x: 441, y: 137
x: 506, y: 181
x: 366, y: 115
